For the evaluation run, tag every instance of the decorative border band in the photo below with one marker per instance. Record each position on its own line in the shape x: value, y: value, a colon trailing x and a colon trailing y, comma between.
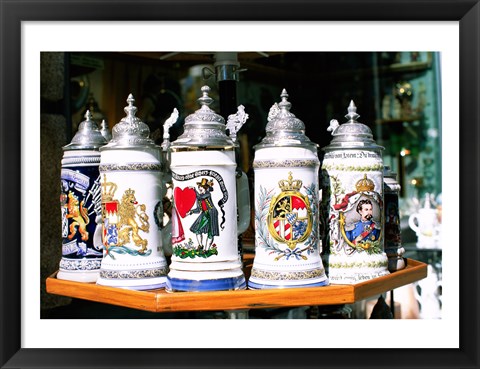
x: 371, y: 264
x: 134, y: 274
x: 287, y: 276
x: 287, y: 163
x: 354, y: 277
x: 81, y: 160
x: 131, y: 167
x: 82, y: 264
x: 353, y: 168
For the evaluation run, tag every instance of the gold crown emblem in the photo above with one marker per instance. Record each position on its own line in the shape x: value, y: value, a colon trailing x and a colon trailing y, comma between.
x: 365, y: 184
x: 108, y: 189
x: 129, y: 192
x: 290, y: 184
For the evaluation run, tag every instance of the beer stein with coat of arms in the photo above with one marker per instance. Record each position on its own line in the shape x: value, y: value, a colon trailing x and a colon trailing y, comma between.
x: 132, y: 215
x: 287, y: 238
x: 80, y: 200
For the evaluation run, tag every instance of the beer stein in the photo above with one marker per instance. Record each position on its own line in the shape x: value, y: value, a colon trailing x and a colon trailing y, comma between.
x: 352, y: 203
x: 204, y: 216
x: 80, y: 201
x: 287, y: 239
x: 131, y: 183
x: 393, y: 238
x: 425, y: 224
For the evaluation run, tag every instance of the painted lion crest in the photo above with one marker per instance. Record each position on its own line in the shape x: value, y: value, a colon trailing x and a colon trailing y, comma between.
x: 127, y: 211
x: 79, y: 216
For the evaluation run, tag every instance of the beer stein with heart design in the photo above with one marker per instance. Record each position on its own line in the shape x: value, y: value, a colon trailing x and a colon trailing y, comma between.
x: 206, y: 220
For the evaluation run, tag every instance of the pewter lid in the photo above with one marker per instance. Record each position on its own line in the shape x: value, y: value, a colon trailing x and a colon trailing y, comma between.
x: 130, y: 132
x: 284, y: 129
x: 352, y: 134
x: 88, y: 136
x: 204, y: 127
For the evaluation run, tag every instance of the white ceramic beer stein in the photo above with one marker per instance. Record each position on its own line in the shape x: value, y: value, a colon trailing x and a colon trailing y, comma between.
x: 80, y: 201
x: 204, y: 216
x: 352, y: 203
x: 425, y: 224
x: 287, y: 239
x: 131, y: 181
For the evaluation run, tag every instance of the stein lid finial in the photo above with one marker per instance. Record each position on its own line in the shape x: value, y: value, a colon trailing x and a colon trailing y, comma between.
x: 205, y: 100
x: 88, y: 116
x: 88, y: 136
x: 284, y: 104
x: 352, y: 115
x: 130, y: 109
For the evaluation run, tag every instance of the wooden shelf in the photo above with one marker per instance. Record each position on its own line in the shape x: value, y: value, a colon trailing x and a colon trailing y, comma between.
x: 162, y: 301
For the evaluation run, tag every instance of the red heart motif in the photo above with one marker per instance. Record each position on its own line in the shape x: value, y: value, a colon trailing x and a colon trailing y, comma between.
x: 184, y: 199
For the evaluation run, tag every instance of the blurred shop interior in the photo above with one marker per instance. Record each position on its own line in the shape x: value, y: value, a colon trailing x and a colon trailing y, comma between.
x: 397, y: 94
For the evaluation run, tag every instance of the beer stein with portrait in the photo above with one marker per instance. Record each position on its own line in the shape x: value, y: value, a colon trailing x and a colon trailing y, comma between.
x: 352, y: 203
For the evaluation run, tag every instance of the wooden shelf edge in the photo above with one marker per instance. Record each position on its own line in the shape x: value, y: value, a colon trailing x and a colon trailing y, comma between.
x: 141, y: 300
x: 253, y: 299
x: 162, y: 301
x: 414, y: 271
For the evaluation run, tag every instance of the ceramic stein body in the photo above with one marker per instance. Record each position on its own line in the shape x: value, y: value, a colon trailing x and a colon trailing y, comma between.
x: 287, y: 240
x: 352, y: 204
x: 131, y: 182
x: 80, y: 200
x: 205, y: 255
x: 204, y: 222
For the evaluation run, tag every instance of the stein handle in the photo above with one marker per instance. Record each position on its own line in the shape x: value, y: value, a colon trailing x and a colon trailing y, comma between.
x: 243, y: 203
x: 412, y: 222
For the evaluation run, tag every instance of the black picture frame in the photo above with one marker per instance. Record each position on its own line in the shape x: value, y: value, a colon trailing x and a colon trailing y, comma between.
x: 12, y: 355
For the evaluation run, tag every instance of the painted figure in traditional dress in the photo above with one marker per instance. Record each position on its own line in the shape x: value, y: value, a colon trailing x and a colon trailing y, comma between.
x: 178, y: 235
x: 206, y: 225
x: 365, y: 228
